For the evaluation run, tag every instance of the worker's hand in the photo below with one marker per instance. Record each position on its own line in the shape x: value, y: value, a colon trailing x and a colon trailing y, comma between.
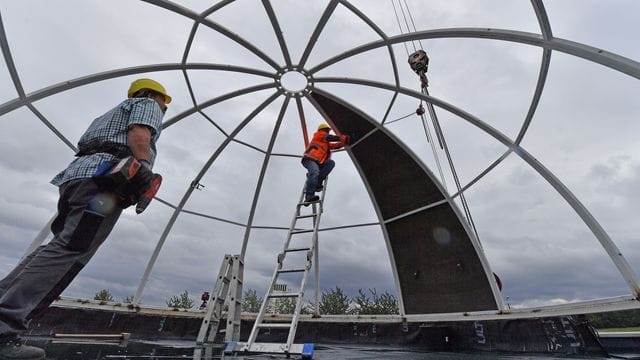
x: 352, y: 138
x: 144, y: 176
x: 140, y: 182
x: 130, y: 192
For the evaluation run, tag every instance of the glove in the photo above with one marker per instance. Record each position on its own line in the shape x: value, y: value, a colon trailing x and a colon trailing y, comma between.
x: 142, y: 179
x: 131, y: 191
x: 353, y: 137
x: 145, y: 198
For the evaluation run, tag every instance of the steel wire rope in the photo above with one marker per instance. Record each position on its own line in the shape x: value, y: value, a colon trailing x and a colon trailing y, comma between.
x: 454, y: 173
x: 425, y: 126
x: 443, y: 143
x: 407, y: 24
x: 400, y: 118
x: 399, y: 26
x: 412, y: 22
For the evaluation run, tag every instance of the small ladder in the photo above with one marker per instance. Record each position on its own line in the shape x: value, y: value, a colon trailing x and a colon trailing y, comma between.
x: 307, y: 253
x: 228, y: 286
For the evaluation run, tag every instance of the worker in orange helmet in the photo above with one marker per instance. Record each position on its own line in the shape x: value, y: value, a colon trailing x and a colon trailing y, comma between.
x: 317, y: 160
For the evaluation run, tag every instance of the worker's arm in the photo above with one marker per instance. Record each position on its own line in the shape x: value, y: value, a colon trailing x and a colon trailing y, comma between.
x: 139, y: 140
x: 337, y: 142
x: 333, y: 138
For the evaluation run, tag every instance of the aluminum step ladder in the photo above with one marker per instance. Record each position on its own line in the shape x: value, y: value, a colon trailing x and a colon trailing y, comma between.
x: 300, y: 248
x: 225, y: 292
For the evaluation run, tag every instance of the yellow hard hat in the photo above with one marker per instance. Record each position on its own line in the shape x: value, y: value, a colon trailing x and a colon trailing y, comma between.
x: 148, y: 84
x: 324, y: 126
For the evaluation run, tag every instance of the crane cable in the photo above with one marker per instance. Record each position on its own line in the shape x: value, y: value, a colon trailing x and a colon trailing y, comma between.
x: 437, y: 129
x: 424, y: 123
x: 400, y: 26
x: 407, y: 23
x: 412, y: 22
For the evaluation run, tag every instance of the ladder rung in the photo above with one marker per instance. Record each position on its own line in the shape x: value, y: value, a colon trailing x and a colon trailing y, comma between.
x: 275, y: 325
x: 287, y: 295
x: 271, y: 348
x: 297, y: 249
x: 292, y: 270
x: 301, y: 231
x: 306, y: 216
x: 309, y: 203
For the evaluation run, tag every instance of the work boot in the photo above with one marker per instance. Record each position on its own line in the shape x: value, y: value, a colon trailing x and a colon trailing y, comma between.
x: 309, y: 198
x: 12, y: 349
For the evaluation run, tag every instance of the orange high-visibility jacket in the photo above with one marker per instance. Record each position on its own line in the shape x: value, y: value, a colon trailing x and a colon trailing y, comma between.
x: 319, y: 149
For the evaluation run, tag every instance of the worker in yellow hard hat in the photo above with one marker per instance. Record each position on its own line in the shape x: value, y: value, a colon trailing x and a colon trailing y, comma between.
x: 150, y: 89
x: 93, y: 192
x: 317, y: 160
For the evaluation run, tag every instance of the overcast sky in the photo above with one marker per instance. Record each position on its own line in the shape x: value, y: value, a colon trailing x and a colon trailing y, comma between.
x: 585, y: 131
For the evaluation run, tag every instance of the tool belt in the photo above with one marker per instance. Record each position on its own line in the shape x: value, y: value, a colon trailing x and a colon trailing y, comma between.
x: 118, y: 150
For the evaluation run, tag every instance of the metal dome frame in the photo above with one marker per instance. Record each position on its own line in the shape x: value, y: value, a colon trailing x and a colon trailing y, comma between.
x: 544, y: 40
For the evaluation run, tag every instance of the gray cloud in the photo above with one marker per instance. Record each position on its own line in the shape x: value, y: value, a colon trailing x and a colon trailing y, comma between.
x: 584, y: 131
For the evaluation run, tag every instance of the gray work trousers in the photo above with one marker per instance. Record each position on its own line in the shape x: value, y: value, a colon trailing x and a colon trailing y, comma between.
x: 44, y: 274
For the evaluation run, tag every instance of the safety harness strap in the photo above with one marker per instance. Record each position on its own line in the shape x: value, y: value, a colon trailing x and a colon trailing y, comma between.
x: 118, y: 150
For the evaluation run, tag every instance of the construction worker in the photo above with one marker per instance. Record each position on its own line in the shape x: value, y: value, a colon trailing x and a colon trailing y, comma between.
x: 129, y: 129
x: 317, y: 160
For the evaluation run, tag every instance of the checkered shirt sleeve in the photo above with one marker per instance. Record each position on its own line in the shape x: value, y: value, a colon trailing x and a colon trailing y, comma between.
x: 113, y: 127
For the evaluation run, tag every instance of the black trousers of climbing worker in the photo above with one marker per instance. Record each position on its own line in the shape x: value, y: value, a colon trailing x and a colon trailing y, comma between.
x: 43, y: 275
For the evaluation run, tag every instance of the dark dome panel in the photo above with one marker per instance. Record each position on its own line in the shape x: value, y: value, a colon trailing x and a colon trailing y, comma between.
x: 438, y: 268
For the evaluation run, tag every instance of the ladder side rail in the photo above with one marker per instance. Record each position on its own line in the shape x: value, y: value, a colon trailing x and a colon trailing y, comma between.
x: 294, y: 220
x: 316, y: 210
x: 214, y: 304
x: 204, y: 327
x: 235, y: 303
x: 296, y: 313
x: 316, y: 250
x: 263, y: 310
x: 218, y: 307
x: 266, y: 300
x: 310, y: 256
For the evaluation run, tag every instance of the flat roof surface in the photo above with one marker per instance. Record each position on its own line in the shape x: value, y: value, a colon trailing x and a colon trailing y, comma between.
x: 85, y: 349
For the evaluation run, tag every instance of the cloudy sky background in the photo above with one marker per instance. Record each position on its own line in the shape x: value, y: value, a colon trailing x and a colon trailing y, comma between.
x: 585, y: 131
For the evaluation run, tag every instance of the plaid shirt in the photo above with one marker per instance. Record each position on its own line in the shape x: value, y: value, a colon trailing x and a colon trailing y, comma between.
x: 112, y: 127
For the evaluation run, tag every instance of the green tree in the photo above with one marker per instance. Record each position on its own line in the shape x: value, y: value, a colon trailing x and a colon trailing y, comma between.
x: 615, y: 319
x: 334, y: 302
x: 285, y: 305
x: 103, y: 295
x: 182, y: 301
x: 379, y: 305
x: 251, y: 302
